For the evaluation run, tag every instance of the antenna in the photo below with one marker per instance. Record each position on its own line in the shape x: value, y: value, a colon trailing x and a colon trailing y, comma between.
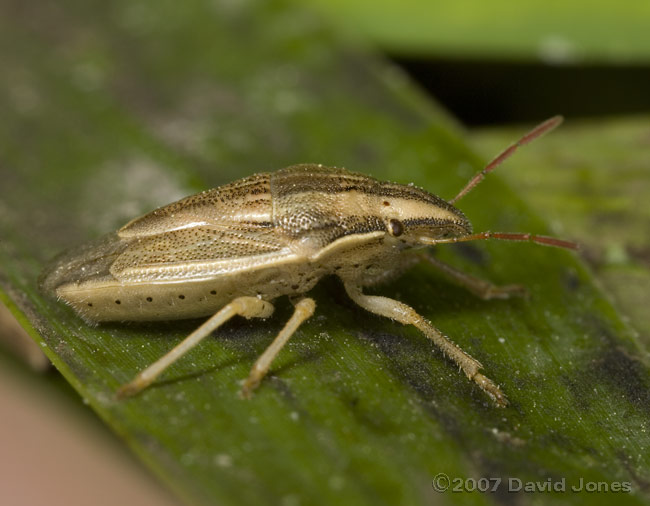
x: 508, y: 236
x: 536, y: 132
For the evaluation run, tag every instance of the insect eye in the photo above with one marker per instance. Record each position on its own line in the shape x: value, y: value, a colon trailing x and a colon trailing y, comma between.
x: 395, y: 227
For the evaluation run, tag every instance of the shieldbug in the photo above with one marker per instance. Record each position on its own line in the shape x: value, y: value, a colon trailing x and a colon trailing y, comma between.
x: 233, y: 249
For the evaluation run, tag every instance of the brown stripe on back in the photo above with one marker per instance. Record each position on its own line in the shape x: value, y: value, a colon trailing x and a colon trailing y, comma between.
x: 307, y: 178
x: 247, y: 200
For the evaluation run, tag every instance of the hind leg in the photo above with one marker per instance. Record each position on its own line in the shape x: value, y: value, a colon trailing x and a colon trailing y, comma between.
x: 249, y: 307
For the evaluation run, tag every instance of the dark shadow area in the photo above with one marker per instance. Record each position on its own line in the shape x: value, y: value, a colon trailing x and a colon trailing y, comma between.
x: 493, y: 92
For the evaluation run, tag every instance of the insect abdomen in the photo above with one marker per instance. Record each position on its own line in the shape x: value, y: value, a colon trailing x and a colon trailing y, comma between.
x: 112, y: 301
x: 115, y: 301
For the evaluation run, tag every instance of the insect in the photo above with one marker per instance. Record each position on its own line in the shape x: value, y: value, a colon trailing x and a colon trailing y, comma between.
x: 233, y: 249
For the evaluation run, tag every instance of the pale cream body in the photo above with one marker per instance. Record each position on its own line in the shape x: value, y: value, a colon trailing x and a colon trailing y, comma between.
x: 113, y: 300
x: 264, y: 236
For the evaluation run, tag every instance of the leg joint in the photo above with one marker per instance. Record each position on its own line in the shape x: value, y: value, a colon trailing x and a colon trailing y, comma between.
x: 252, y: 307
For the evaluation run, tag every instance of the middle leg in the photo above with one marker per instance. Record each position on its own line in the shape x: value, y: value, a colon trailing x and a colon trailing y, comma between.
x: 304, y: 309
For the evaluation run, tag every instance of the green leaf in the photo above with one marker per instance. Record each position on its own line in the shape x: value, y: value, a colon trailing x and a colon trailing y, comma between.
x: 110, y: 109
x: 548, y: 30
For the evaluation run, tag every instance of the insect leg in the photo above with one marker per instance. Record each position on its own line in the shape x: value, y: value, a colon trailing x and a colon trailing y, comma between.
x: 399, y: 311
x: 304, y: 309
x: 249, y: 307
x: 479, y: 287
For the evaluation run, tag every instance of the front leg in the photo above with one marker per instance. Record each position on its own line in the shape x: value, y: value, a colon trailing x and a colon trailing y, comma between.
x: 479, y: 287
x: 399, y: 311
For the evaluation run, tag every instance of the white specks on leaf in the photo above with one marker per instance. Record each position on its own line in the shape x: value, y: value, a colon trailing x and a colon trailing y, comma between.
x: 223, y: 460
x: 114, y: 195
x: 557, y: 49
